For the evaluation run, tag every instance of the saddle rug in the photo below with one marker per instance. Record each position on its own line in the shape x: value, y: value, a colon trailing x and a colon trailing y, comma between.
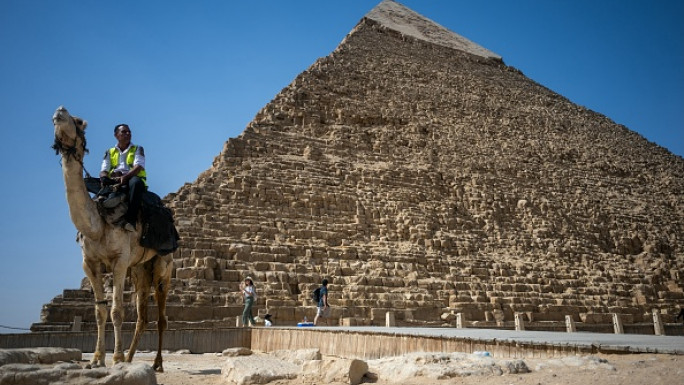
x: 158, y: 230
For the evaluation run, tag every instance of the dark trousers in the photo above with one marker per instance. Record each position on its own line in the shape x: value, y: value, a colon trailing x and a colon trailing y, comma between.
x: 136, y: 188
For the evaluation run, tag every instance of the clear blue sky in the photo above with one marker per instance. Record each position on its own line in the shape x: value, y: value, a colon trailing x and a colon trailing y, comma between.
x: 188, y: 75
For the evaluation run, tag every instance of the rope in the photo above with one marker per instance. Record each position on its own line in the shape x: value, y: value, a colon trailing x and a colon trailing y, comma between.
x: 12, y: 327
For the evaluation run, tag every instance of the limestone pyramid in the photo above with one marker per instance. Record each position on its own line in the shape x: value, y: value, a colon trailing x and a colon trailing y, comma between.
x: 419, y: 173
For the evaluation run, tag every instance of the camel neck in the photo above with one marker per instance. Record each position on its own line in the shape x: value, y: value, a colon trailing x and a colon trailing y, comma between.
x: 82, y: 209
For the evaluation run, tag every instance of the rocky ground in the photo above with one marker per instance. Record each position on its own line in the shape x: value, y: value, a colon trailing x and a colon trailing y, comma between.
x: 631, y: 369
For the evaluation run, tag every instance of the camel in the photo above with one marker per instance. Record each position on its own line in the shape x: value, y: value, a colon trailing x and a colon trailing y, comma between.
x: 112, y: 246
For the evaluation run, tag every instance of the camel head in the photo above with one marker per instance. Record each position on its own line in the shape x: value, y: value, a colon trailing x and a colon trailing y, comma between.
x: 69, y: 134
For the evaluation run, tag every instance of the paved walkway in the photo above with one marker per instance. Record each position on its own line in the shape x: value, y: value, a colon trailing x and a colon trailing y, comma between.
x: 635, y: 343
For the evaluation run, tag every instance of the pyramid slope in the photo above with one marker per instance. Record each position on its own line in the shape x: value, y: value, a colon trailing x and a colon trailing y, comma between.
x: 425, y: 180
x: 429, y: 184
x: 399, y: 18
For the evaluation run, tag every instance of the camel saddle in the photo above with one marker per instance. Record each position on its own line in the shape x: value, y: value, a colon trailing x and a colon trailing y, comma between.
x: 158, y: 230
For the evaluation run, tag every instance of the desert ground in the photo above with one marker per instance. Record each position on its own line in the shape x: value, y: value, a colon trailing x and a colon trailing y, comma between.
x: 628, y: 369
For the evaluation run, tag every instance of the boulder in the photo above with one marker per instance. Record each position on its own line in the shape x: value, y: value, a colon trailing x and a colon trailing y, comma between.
x: 261, y: 369
x: 348, y: 371
x: 235, y: 352
x: 73, y: 374
x: 38, y: 355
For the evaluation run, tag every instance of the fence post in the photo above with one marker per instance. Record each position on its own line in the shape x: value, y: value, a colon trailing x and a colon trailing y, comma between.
x: 76, y: 326
x: 570, y: 324
x: 658, y: 323
x: 617, y: 324
x: 389, y: 319
x: 519, y: 322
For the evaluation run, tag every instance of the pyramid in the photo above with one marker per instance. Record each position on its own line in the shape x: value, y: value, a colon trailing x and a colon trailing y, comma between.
x: 420, y: 174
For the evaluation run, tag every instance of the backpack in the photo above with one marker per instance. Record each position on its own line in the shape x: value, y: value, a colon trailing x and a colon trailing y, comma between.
x: 316, y: 295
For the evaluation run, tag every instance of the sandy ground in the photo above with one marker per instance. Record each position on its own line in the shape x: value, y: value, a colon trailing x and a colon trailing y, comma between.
x: 630, y: 369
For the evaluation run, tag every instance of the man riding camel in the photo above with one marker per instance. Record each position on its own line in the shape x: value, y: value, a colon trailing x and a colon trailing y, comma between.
x: 125, y: 165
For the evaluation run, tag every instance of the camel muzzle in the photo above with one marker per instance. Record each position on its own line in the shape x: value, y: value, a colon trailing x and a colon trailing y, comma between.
x: 60, y: 115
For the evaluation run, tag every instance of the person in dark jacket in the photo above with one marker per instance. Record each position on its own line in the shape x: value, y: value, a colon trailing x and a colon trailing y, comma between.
x: 323, y: 305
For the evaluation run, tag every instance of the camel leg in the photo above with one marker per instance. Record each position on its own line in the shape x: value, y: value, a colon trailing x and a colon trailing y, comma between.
x: 93, y: 271
x: 142, y: 285
x: 162, y: 283
x: 117, y: 313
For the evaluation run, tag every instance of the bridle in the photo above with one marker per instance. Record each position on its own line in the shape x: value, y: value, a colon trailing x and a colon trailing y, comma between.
x: 71, y: 151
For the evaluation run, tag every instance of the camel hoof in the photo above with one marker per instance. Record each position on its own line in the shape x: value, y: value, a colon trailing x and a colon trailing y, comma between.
x: 118, y: 358
x: 158, y: 368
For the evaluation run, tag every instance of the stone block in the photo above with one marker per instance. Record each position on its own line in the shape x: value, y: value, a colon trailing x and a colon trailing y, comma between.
x: 348, y: 321
x: 246, y: 370
x: 596, y: 318
x: 347, y: 371
x: 186, y: 273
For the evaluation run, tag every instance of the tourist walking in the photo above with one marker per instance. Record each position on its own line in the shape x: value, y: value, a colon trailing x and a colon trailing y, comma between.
x: 249, y: 295
x: 323, y: 305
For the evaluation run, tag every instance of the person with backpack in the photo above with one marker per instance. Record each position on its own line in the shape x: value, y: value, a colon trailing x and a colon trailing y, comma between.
x: 323, y: 310
x: 249, y: 294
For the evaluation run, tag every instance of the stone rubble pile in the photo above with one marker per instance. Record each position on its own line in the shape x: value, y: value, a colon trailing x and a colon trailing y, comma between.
x: 308, y: 366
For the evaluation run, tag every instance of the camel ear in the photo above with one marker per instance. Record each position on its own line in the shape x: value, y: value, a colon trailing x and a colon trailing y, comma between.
x: 82, y: 124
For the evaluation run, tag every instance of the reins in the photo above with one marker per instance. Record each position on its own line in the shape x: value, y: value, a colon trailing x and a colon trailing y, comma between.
x: 69, y: 152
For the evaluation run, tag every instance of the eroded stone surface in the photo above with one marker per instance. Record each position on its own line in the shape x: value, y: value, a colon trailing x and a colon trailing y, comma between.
x: 44, y: 355
x: 245, y: 370
x: 335, y: 370
x: 442, y: 366
x: 72, y: 373
x: 235, y: 352
x: 307, y: 365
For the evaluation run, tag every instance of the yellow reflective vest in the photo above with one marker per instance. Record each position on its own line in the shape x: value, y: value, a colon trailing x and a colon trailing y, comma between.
x: 130, y: 157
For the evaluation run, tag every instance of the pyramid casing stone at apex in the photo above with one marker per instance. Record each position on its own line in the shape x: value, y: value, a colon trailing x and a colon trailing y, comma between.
x: 422, y: 179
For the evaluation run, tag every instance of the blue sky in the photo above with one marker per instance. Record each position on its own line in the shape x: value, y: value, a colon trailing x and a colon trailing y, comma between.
x: 188, y: 75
